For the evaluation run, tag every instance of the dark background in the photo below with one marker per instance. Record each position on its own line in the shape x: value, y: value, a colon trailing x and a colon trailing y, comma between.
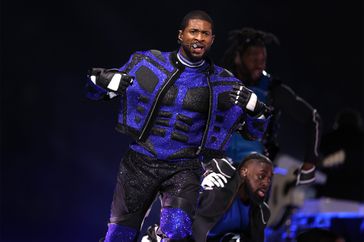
x: 60, y: 152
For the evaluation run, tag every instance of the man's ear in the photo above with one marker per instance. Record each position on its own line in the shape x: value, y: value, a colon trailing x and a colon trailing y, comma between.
x: 180, y: 35
x: 244, y: 172
x: 213, y: 39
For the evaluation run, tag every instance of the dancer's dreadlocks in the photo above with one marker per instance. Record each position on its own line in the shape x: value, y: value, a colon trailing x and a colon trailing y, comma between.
x: 241, y: 39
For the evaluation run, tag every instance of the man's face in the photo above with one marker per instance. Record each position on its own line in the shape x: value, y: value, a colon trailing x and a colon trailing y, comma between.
x: 258, y: 178
x: 196, y: 39
x: 252, y: 62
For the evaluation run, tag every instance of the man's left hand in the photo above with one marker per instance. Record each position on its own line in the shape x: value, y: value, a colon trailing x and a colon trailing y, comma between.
x: 213, y: 180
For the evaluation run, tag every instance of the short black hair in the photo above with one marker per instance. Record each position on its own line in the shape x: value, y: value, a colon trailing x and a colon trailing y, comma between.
x: 254, y: 157
x: 241, y: 39
x: 196, y: 14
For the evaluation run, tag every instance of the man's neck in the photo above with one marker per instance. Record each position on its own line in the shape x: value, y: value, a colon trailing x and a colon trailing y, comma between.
x: 187, y: 62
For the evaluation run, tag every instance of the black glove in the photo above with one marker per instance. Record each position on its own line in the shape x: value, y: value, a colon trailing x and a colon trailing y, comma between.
x: 247, y: 100
x: 110, y: 79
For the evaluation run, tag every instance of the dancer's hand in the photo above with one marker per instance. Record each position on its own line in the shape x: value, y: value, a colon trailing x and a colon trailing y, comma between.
x: 213, y: 180
x: 217, y: 173
x: 248, y: 100
x: 111, y: 79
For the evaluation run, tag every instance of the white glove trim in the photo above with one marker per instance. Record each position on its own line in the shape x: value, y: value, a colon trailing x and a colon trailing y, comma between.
x: 252, y: 102
x: 115, y: 82
x: 302, y: 182
x: 93, y: 79
x: 308, y: 171
x: 306, y: 181
x: 112, y: 94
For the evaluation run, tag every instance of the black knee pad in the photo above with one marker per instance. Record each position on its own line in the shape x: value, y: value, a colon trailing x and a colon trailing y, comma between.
x: 132, y: 220
x: 178, y: 202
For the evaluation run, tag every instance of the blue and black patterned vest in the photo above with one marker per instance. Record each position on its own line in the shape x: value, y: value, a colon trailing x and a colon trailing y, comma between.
x: 157, y: 112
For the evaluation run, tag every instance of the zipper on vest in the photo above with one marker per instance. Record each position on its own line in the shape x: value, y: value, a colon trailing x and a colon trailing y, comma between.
x: 147, y: 124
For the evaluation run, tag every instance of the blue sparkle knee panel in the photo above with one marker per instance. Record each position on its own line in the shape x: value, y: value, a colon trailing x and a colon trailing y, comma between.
x: 120, y: 233
x: 175, y: 223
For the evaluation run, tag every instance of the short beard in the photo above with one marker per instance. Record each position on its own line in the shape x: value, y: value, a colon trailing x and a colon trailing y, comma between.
x: 252, y: 195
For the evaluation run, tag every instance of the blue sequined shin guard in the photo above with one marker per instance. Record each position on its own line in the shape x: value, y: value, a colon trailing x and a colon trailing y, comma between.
x: 120, y: 233
x: 175, y: 223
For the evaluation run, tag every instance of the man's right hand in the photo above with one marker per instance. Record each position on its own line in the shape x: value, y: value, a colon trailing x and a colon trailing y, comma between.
x: 111, y: 79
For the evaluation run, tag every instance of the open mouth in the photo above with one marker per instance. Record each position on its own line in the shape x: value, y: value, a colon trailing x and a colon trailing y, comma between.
x: 197, y: 47
x: 261, y: 193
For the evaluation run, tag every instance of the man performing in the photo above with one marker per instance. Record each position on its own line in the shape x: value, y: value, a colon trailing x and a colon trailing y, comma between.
x: 181, y: 110
x: 246, y: 57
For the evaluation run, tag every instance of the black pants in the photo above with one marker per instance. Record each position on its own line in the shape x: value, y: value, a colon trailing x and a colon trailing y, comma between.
x: 139, y: 180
